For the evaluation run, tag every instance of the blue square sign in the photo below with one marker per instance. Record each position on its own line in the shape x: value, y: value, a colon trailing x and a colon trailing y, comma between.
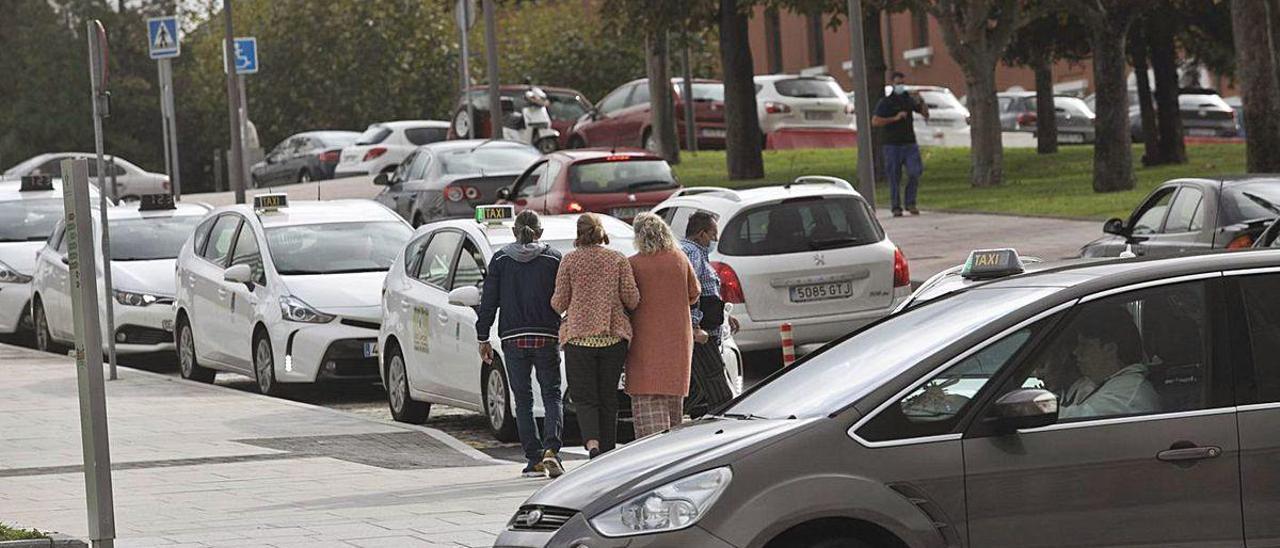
x: 162, y: 37
x: 246, y: 50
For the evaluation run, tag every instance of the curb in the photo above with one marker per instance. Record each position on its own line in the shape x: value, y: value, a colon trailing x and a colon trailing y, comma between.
x: 55, y: 540
x: 438, y: 435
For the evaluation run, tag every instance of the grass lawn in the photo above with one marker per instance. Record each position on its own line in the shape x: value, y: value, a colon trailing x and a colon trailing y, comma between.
x: 1054, y: 185
x: 9, y: 533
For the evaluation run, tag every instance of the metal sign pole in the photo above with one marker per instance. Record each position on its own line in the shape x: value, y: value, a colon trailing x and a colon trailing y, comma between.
x: 234, y: 169
x: 101, y: 109
x: 491, y: 57
x: 164, y: 118
x: 690, y: 125
x: 171, y: 128
x: 464, y: 24
x: 244, y: 129
x: 866, y: 170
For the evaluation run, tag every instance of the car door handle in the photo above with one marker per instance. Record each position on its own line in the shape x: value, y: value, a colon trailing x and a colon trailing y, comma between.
x: 1181, y: 454
x: 442, y: 317
x: 222, y: 294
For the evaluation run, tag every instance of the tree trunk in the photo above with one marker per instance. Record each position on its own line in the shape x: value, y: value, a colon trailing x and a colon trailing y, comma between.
x: 662, y: 121
x: 987, y: 152
x: 1256, y: 73
x: 742, y: 124
x: 1164, y: 62
x: 1112, y: 153
x: 1046, y: 114
x: 1146, y: 110
x: 876, y: 69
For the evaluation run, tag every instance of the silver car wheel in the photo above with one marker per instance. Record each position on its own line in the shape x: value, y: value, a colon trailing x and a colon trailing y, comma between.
x: 186, y: 351
x: 397, y: 389
x: 496, y: 398
x: 264, y: 365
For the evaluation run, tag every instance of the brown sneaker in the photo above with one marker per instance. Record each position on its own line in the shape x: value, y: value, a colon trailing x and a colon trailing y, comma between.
x: 551, y: 463
x: 534, y: 470
x: 897, y: 213
x: 914, y: 211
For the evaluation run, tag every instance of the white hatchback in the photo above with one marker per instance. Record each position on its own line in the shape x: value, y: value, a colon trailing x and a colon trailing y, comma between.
x: 810, y: 253
x: 131, y: 181
x: 285, y: 294
x: 792, y: 102
x: 383, y: 146
x: 145, y: 240
x: 428, y: 337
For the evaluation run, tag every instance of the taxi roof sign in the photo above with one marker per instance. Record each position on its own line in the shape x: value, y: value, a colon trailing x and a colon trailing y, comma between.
x: 270, y: 202
x: 495, y: 214
x: 992, y: 263
x: 35, y: 183
x: 156, y: 202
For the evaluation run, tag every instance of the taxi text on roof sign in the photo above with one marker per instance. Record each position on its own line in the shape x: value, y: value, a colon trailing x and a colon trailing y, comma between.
x: 992, y: 263
x: 156, y: 202
x: 495, y: 214
x: 270, y: 202
x: 36, y: 182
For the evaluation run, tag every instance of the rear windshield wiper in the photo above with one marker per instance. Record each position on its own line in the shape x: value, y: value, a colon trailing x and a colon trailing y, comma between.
x: 642, y: 184
x: 742, y: 416
x: 1262, y: 202
x: 832, y: 242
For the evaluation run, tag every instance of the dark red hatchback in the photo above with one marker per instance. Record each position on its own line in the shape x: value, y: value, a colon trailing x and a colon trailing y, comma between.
x: 621, y: 183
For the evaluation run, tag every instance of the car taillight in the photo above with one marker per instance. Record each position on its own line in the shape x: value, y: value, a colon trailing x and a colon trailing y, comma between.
x: 330, y: 156
x: 901, y: 273
x: 771, y: 107
x: 374, y: 153
x: 849, y: 108
x: 1243, y: 241
x: 471, y: 192
x: 454, y: 194
x: 574, y: 207
x: 1027, y: 118
x: 730, y: 285
x: 166, y: 185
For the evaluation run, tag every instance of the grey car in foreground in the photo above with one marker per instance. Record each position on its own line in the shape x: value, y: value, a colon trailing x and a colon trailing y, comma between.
x: 448, y: 179
x: 1118, y: 403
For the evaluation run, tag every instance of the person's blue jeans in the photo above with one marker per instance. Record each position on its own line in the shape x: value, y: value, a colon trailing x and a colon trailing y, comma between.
x: 522, y: 364
x: 897, y: 158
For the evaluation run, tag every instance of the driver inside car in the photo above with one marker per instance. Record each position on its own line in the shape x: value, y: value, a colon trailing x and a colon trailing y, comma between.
x: 1113, y: 377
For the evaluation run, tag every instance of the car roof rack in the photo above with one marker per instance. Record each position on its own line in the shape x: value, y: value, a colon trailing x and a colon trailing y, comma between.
x: 820, y: 180
x: 726, y: 193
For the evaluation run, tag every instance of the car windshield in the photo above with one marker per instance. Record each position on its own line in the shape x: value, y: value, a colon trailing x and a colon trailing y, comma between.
x: 424, y: 135
x: 621, y: 176
x: 1193, y: 101
x: 336, y: 248
x: 565, y: 106
x: 29, y: 220
x: 338, y: 138
x: 487, y: 159
x: 373, y: 135
x: 797, y: 225
x: 940, y: 100
x: 1260, y: 200
x: 150, y: 239
x: 810, y: 88
x: 704, y: 91
x: 840, y: 375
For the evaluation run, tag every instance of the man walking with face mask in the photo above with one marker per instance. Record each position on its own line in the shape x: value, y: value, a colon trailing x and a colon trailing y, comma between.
x: 894, y: 114
x: 708, y: 387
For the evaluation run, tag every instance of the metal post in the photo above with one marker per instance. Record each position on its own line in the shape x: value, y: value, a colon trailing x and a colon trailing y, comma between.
x: 690, y: 129
x: 164, y: 118
x: 236, y: 152
x: 491, y: 56
x: 466, y: 66
x: 218, y: 163
x: 866, y: 170
x: 94, y: 441
x: 97, y: 72
x: 244, y: 129
x: 175, y: 173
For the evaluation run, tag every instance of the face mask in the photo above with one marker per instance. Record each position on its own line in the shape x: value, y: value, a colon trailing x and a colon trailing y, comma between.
x: 899, y: 89
x: 711, y: 246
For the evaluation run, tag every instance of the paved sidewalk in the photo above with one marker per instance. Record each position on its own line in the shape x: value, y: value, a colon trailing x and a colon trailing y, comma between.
x: 198, y: 465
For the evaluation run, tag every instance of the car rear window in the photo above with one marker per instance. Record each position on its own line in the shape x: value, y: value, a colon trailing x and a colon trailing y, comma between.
x: 809, y: 88
x: 565, y: 106
x: 1193, y: 101
x: 703, y: 91
x: 373, y: 135
x: 621, y: 176
x: 1251, y: 201
x: 800, y: 224
x: 424, y: 135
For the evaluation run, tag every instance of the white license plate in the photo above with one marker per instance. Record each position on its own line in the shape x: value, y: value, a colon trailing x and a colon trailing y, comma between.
x: 819, y: 115
x: 713, y: 132
x: 371, y: 350
x: 821, y: 292
x: 1201, y: 132
x: 1071, y: 137
x: 350, y: 158
x: 627, y: 212
x: 166, y: 325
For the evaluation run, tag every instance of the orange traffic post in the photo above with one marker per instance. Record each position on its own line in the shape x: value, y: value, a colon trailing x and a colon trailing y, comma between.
x: 788, y: 346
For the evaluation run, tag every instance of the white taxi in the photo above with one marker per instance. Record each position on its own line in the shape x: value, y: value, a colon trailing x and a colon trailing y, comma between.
x: 145, y: 239
x: 285, y: 293
x: 428, y: 337
x: 29, y: 211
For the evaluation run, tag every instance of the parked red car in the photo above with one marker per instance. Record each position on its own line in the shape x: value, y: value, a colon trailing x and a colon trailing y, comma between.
x: 566, y: 107
x: 621, y: 119
x: 621, y: 183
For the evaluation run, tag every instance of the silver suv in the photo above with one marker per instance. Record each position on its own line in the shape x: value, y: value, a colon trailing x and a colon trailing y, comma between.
x: 1118, y: 403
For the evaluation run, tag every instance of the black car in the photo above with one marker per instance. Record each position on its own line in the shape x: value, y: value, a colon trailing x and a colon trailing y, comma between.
x: 1186, y: 215
x: 308, y: 156
x: 1075, y: 118
x: 449, y: 178
x: 1204, y: 113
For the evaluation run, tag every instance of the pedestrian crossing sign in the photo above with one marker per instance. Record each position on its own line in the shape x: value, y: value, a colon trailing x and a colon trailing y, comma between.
x: 162, y: 37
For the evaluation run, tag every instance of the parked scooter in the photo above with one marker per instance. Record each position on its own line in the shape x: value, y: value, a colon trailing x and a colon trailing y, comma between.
x: 532, y: 124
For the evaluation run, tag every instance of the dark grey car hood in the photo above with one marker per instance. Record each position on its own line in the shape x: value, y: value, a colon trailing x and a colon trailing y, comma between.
x: 656, y: 460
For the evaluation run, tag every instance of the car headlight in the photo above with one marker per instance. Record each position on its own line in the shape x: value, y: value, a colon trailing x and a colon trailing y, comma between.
x: 129, y: 298
x: 10, y: 276
x: 294, y: 310
x: 673, y: 506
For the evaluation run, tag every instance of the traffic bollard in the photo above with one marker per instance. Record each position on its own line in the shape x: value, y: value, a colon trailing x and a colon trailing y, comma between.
x: 788, y: 346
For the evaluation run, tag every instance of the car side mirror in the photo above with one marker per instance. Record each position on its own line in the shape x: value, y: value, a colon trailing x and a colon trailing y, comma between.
x: 240, y: 273
x: 504, y: 193
x: 594, y: 113
x: 381, y: 179
x: 1024, y: 408
x: 65, y: 260
x: 1116, y: 227
x: 465, y: 296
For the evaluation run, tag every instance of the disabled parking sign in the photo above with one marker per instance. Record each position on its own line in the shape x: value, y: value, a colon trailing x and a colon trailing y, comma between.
x: 162, y: 37
x: 246, y: 50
